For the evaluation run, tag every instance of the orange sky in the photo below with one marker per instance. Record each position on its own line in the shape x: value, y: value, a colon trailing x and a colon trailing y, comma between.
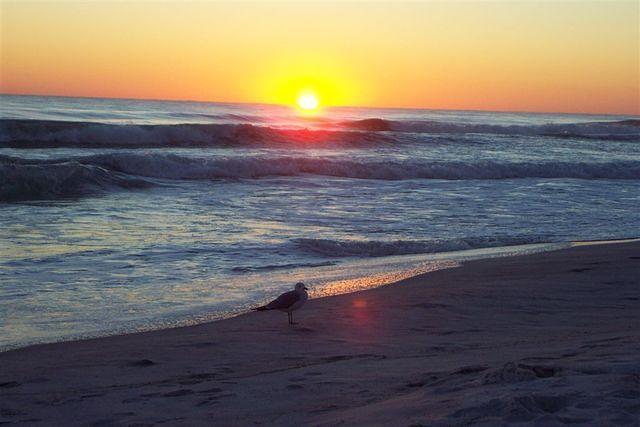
x: 573, y: 56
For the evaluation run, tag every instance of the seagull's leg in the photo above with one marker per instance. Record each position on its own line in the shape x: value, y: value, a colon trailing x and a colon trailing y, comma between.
x: 289, y: 317
x: 292, y: 322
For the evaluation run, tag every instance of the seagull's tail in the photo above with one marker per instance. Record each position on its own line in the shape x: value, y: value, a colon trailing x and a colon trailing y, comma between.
x: 263, y: 308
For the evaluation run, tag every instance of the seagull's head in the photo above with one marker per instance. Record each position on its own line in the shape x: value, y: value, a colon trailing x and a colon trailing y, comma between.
x: 300, y: 287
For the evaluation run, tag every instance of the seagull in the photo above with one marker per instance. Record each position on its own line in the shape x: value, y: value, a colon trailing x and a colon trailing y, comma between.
x: 289, y: 301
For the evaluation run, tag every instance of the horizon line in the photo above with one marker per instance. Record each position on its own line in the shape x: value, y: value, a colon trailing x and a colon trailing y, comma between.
x: 329, y: 107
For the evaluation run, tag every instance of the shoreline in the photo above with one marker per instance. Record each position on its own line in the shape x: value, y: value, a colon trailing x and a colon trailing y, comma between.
x: 458, y: 257
x: 546, y: 338
x: 404, y: 267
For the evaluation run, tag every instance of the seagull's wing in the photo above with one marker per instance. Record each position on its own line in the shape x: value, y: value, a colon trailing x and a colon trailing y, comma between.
x: 284, y: 301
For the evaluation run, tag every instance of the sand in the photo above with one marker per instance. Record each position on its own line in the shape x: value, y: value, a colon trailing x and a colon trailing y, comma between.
x: 544, y: 339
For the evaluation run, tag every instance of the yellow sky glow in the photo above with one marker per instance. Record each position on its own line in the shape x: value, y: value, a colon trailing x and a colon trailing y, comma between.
x: 573, y: 56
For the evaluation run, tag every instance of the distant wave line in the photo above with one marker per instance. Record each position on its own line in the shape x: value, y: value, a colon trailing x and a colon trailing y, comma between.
x: 50, y: 134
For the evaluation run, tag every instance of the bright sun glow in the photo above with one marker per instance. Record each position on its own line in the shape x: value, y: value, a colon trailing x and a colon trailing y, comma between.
x: 308, y: 101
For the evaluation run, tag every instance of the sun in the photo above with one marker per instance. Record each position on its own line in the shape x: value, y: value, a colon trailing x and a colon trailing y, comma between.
x: 308, y: 101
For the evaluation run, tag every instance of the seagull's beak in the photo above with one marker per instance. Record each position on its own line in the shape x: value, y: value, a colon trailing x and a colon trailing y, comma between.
x: 306, y: 289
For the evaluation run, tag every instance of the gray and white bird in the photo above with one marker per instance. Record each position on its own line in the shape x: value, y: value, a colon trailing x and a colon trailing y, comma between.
x: 289, y: 301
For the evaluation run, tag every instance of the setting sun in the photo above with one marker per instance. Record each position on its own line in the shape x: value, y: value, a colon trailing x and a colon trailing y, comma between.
x: 308, y: 101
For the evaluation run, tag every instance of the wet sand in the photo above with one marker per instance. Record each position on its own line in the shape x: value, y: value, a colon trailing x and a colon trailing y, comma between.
x: 541, y: 339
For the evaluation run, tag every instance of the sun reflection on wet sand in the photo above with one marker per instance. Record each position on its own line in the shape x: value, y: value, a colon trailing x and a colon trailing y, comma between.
x: 339, y: 287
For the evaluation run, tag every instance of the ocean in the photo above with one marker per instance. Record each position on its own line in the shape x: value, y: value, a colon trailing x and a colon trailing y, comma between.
x: 128, y: 215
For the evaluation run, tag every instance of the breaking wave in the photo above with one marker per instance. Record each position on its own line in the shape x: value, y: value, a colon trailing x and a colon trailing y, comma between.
x: 622, y: 130
x: 172, y: 166
x: 378, y: 248
x: 22, y: 182
x: 252, y: 269
x: 30, y: 179
x: 49, y: 134
x: 52, y: 134
x: 178, y: 167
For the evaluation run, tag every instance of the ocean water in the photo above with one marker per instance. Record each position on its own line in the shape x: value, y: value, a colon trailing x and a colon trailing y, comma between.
x: 125, y: 215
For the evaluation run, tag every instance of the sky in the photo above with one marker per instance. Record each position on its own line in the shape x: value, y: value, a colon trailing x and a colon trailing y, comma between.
x: 551, y: 56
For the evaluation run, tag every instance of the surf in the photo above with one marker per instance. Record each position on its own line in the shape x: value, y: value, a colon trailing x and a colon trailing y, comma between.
x: 31, y: 134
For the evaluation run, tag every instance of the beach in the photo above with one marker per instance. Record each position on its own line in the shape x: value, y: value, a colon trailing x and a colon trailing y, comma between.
x: 417, y: 213
x: 544, y: 339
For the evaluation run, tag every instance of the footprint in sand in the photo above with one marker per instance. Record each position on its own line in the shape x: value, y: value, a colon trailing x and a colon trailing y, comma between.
x: 142, y: 363
x: 10, y: 384
x: 294, y: 386
x: 211, y: 390
x: 177, y: 393
x: 579, y: 270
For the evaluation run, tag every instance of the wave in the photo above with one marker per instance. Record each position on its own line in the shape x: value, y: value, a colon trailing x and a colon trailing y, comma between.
x: 22, y: 182
x: 121, y: 169
x: 621, y: 130
x: 379, y: 248
x: 16, y: 133
x: 36, y: 179
x: 53, y: 134
x: 227, y: 118
x: 250, y: 269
